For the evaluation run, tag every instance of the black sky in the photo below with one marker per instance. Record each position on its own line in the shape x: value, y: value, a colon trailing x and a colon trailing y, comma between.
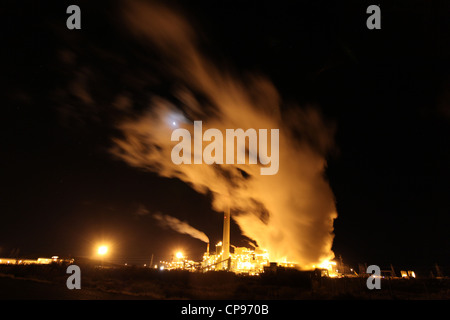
x: 387, y: 92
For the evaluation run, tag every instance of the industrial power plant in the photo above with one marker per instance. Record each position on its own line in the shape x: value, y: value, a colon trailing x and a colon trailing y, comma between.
x: 254, y: 261
x: 226, y: 257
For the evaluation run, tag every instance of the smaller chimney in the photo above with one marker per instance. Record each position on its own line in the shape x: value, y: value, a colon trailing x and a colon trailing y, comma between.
x: 207, y: 249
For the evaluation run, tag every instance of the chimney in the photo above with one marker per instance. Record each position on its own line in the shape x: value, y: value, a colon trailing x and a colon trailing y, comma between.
x: 226, y: 238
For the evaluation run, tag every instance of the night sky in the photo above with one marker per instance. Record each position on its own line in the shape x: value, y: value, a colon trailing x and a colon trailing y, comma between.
x: 385, y: 92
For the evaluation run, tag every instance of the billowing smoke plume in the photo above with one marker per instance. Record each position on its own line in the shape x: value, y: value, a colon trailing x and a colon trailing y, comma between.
x: 180, y: 226
x: 291, y: 213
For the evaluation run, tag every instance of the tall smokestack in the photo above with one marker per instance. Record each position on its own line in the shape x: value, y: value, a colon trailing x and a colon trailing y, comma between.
x: 207, y: 249
x: 226, y: 237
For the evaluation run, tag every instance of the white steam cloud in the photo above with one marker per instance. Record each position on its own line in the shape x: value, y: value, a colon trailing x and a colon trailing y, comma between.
x: 180, y: 226
x: 291, y: 213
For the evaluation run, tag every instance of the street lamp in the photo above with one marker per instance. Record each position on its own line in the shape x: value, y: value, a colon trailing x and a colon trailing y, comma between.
x: 179, y: 255
x: 102, y: 251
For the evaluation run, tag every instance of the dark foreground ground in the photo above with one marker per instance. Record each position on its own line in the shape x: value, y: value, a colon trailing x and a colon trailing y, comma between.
x: 25, y: 289
x: 49, y: 282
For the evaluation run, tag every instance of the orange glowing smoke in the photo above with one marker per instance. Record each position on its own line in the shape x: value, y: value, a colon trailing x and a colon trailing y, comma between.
x: 291, y: 213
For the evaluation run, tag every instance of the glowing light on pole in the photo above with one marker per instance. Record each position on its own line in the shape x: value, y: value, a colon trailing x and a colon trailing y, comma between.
x: 102, y: 250
x: 179, y: 255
